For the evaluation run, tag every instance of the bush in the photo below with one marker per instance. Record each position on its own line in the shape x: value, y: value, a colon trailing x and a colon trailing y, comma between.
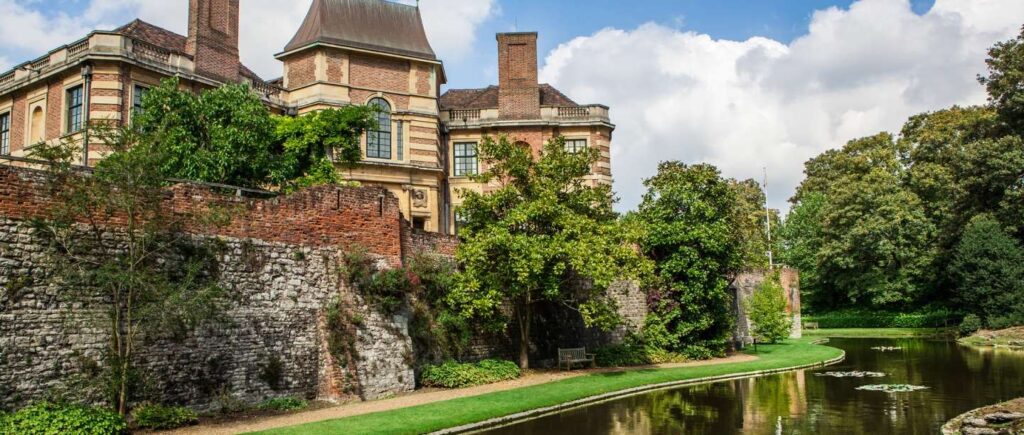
x: 50, y: 418
x: 458, y: 375
x: 282, y: 404
x: 970, y: 325
x: 162, y: 417
x: 936, y: 318
x: 766, y: 309
x: 635, y: 354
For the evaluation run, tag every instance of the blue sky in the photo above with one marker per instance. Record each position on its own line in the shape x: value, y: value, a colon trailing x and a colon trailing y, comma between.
x: 741, y: 84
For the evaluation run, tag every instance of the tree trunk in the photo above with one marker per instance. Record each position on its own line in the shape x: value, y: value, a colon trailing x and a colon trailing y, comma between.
x: 523, y: 314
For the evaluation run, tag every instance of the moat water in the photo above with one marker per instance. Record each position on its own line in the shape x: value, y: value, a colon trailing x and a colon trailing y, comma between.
x: 957, y: 378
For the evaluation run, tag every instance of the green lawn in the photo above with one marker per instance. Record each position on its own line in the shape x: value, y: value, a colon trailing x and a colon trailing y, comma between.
x: 457, y: 412
x: 876, y: 332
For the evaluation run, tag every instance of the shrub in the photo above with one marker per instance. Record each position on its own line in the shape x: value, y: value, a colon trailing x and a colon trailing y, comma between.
x: 283, y: 404
x: 970, y: 325
x: 452, y: 374
x: 160, y: 417
x: 633, y: 353
x: 935, y: 318
x: 767, y: 311
x: 51, y: 418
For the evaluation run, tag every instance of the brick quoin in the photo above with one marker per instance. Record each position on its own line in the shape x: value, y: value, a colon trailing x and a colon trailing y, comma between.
x: 323, y: 216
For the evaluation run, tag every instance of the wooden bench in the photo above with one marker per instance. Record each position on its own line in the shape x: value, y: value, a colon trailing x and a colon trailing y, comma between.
x: 810, y: 325
x: 568, y: 357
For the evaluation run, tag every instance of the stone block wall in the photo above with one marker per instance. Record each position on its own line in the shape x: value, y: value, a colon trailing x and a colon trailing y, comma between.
x: 279, y: 260
x: 744, y: 285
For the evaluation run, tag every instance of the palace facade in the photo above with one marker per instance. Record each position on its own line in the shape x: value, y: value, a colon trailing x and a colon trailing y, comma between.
x: 367, y: 52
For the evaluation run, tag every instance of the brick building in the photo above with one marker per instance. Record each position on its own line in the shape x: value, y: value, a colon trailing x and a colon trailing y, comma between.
x: 367, y: 52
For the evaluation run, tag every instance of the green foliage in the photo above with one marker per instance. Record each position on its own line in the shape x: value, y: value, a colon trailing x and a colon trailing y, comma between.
x: 283, y: 404
x: 989, y: 273
x: 160, y: 417
x: 1005, y: 81
x: 222, y: 135
x: 749, y: 224
x: 801, y: 240
x: 634, y: 353
x: 272, y: 373
x: 385, y: 289
x: 141, y: 294
x: 309, y: 142
x: 932, y: 318
x: 56, y: 419
x: 227, y: 135
x: 766, y: 309
x: 438, y: 333
x: 687, y: 214
x: 539, y: 237
x: 452, y: 374
x: 970, y: 324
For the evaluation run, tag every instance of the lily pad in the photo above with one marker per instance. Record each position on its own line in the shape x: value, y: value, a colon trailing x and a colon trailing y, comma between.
x: 853, y: 374
x: 892, y: 388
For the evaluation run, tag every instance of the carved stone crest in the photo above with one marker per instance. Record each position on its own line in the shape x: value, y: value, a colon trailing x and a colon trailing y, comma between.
x: 419, y: 198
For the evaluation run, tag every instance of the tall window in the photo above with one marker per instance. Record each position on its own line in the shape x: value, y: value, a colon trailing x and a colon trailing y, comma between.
x: 138, y: 93
x: 74, y: 101
x: 399, y: 141
x: 465, y: 159
x: 378, y: 142
x: 5, y: 133
x: 575, y: 145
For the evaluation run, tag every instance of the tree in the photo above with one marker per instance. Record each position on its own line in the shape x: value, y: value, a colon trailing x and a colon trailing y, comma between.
x: 766, y: 309
x: 688, y: 214
x: 1005, y: 80
x: 749, y: 223
x: 227, y: 135
x: 801, y: 240
x: 544, y: 234
x: 124, y: 269
x: 988, y: 268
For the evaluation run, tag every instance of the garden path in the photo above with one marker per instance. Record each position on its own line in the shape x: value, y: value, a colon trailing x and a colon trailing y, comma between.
x: 418, y: 397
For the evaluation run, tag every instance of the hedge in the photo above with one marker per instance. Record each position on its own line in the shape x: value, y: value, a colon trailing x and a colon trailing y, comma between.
x: 881, y: 319
x: 458, y: 375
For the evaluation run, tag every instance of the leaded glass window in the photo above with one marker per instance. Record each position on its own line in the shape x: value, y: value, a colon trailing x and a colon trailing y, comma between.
x: 5, y: 133
x: 378, y: 142
x: 465, y: 159
x: 74, y: 104
x: 575, y: 145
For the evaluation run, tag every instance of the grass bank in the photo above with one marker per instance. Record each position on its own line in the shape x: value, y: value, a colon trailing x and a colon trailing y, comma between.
x: 877, y: 332
x: 458, y: 412
x: 1011, y: 337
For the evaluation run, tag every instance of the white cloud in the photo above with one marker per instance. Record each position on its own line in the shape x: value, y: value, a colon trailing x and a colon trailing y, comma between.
x: 744, y: 105
x: 266, y: 25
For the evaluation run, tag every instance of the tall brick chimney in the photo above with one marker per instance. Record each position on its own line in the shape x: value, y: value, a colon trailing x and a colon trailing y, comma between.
x: 518, y: 90
x: 213, y: 38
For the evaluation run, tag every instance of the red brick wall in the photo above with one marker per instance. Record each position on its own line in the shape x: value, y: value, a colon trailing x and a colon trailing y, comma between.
x: 418, y: 241
x: 518, y: 90
x: 379, y: 73
x: 302, y: 69
x: 18, y: 122
x: 54, y: 110
x: 321, y: 216
x: 422, y: 80
x: 335, y: 67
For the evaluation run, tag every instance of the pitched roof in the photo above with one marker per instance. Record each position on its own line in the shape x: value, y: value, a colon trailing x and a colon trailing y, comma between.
x: 487, y: 98
x: 376, y: 25
x: 169, y: 40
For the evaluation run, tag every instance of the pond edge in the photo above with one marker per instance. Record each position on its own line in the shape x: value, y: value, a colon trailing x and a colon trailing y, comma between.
x: 615, y: 395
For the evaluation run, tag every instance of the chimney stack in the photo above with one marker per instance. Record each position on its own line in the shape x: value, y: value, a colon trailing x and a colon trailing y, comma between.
x: 213, y: 38
x: 518, y: 90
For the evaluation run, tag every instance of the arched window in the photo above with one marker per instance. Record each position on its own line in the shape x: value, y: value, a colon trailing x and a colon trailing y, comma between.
x: 378, y: 142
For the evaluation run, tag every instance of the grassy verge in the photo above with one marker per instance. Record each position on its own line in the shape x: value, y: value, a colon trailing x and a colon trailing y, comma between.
x: 1011, y: 337
x: 877, y: 332
x: 457, y: 412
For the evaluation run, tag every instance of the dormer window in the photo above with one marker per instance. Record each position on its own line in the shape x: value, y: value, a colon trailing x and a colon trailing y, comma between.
x: 378, y: 142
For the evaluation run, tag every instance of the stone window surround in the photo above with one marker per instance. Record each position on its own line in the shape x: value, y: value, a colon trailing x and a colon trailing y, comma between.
x: 5, y: 132
x: 30, y: 108
x: 472, y: 162
x: 572, y: 144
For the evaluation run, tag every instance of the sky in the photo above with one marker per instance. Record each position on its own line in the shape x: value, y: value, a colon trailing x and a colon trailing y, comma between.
x: 741, y: 84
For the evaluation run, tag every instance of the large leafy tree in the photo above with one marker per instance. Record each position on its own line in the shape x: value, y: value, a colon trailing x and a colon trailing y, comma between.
x: 688, y: 216
x: 801, y: 241
x: 1005, y: 80
x: 543, y: 234
x: 227, y: 135
x: 750, y: 225
x: 988, y: 268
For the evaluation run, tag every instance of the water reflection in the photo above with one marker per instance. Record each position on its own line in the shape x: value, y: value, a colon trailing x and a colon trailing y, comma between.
x: 959, y: 379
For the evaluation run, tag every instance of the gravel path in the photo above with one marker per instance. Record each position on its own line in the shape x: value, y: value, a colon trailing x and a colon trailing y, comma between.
x: 419, y: 397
